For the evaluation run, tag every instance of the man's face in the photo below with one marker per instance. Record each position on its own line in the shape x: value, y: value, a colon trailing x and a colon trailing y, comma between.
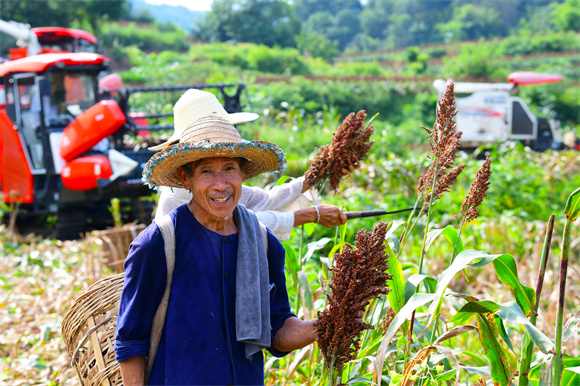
x: 216, y: 186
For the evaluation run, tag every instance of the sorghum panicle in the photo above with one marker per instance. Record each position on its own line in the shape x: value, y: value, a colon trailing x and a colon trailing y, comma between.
x: 477, y: 192
x: 349, y: 146
x: 359, y: 275
x: 444, y: 144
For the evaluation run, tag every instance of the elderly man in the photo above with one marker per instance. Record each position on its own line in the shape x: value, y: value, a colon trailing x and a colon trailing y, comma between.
x: 228, y: 294
x: 280, y: 209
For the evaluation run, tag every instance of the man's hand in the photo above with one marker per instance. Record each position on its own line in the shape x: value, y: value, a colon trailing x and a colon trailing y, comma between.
x: 330, y: 216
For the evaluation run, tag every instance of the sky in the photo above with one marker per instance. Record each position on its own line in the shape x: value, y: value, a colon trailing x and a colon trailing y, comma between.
x: 194, y: 5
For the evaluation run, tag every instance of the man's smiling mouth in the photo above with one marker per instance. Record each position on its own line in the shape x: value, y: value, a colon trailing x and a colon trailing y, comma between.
x: 220, y: 199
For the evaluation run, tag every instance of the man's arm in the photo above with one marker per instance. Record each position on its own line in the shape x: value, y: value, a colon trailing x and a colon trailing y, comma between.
x: 133, y: 371
x: 294, y: 334
x: 330, y: 216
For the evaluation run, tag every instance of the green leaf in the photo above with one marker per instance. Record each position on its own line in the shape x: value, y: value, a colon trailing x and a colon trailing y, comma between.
x: 405, y: 313
x: 503, y: 363
x: 572, y: 376
x: 393, y: 240
x: 306, y: 291
x: 572, y: 210
x: 337, y: 248
x: 503, y: 333
x: 510, y: 312
x: 483, y: 370
x: 358, y: 380
x: 414, y: 281
x: 472, y: 308
x: 282, y: 180
x: 396, y: 297
x: 291, y: 262
x: 507, y: 272
x: 449, y: 233
x: 461, y: 262
x: 315, y: 246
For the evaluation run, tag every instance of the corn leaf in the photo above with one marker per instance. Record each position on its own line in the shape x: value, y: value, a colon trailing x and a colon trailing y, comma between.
x: 449, y: 233
x: 507, y: 272
x: 461, y: 262
x: 306, y: 295
x: 569, y: 363
x: 315, y: 246
x: 472, y: 308
x: 291, y: 262
x: 510, y: 312
x: 405, y: 313
x: 414, y: 281
x: 502, y: 362
x: 571, y: 376
x: 396, y: 297
x: 572, y: 210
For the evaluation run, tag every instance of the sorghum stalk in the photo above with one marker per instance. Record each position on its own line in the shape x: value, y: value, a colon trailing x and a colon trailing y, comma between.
x: 528, y: 346
x: 572, y: 212
x: 557, y: 363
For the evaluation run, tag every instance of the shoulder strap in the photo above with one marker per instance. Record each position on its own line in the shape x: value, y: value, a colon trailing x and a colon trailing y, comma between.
x: 168, y: 232
x: 264, y: 236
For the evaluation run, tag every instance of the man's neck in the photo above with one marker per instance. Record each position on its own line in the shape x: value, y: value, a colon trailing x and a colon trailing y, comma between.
x: 224, y: 226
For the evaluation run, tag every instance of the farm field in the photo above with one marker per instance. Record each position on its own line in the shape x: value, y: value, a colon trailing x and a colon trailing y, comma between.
x: 464, y: 275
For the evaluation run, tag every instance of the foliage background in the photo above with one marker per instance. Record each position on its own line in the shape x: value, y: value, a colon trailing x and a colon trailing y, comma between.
x: 327, y: 59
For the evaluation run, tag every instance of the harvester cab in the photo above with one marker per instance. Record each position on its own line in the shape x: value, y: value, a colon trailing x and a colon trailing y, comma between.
x: 67, y: 148
x: 489, y: 113
x: 46, y: 40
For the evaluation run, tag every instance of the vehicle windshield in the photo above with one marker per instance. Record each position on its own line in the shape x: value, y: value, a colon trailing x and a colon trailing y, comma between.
x: 72, y: 93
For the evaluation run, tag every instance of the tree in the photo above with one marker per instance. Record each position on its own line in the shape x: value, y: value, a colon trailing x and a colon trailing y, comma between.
x: 316, y: 45
x: 566, y: 16
x: 306, y: 8
x: 268, y: 22
x: 63, y: 13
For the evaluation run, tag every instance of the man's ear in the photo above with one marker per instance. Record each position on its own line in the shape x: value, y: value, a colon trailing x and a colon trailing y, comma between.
x: 244, y: 178
x: 183, y: 177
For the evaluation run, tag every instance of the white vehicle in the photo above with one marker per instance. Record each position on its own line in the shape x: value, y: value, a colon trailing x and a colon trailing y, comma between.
x: 491, y: 114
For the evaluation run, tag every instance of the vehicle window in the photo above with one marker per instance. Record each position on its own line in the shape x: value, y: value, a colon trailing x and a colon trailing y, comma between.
x: 28, y: 99
x: 72, y: 93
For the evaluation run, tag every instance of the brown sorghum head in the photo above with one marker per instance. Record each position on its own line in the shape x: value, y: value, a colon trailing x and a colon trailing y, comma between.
x: 388, y: 318
x: 359, y: 275
x: 349, y: 146
x: 444, y: 144
x: 477, y: 192
x: 445, y: 182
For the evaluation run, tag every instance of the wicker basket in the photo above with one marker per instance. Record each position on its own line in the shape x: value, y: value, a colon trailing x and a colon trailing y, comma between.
x: 88, y: 329
x: 113, y: 244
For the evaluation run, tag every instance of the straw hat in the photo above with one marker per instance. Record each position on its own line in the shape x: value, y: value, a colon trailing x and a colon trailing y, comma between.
x: 195, y: 104
x: 206, y: 137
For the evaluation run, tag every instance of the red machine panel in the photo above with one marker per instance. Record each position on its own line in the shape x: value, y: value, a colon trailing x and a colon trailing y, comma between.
x: 82, y: 173
x: 15, y: 176
x: 98, y: 122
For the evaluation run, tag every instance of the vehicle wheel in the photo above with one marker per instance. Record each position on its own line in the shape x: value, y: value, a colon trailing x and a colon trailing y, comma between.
x: 70, y: 223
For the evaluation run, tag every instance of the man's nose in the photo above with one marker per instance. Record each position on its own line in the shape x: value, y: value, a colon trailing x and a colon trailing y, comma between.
x: 221, y: 179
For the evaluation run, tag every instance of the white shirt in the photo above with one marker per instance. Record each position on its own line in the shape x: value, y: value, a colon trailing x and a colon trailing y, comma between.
x: 274, y: 207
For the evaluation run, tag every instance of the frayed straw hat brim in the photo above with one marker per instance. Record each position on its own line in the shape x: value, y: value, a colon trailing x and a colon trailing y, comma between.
x: 262, y: 157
